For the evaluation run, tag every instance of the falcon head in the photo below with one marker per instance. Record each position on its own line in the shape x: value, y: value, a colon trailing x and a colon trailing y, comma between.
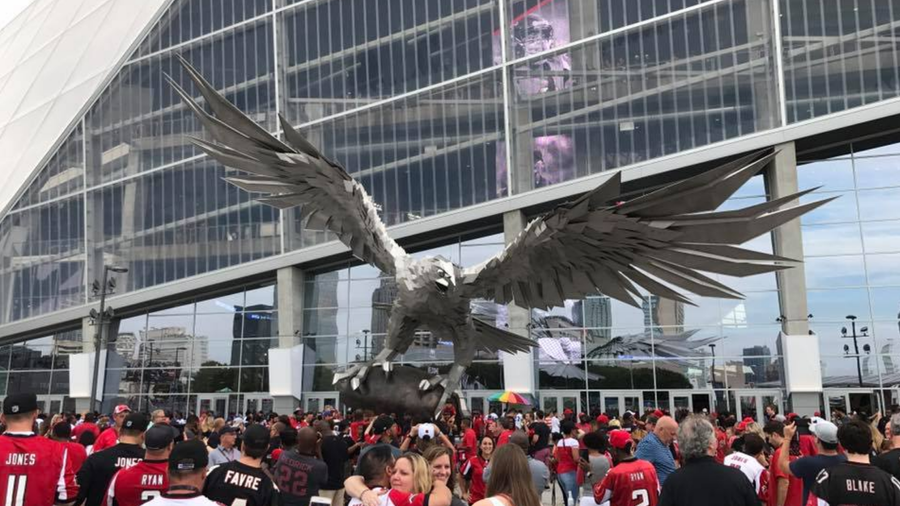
x: 441, y: 273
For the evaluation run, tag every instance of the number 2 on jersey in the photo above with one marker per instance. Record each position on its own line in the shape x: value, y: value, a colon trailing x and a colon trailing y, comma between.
x: 15, y: 490
x: 640, y: 495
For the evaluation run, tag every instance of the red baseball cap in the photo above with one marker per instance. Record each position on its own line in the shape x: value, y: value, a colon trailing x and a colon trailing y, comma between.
x: 619, y: 439
x: 602, y: 419
x: 121, y: 408
x: 658, y: 413
x: 567, y: 411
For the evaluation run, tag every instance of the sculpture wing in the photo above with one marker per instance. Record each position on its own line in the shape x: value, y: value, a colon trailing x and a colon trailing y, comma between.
x: 293, y: 173
x: 659, y: 241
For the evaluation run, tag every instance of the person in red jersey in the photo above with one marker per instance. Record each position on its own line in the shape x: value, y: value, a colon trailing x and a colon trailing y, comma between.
x: 62, y: 433
x: 631, y: 482
x: 87, y: 425
x: 148, y: 478
x: 473, y: 470
x: 34, y: 471
x: 110, y: 436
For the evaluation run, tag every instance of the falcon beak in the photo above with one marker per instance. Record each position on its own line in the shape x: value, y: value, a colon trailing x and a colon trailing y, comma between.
x: 442, y: 285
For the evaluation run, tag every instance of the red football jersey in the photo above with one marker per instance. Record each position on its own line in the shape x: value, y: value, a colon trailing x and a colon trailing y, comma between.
x: 138, y: 484
x: 77, y: 454
x: 34, y: 471
x: 631, y: 483
x: 107, y: 439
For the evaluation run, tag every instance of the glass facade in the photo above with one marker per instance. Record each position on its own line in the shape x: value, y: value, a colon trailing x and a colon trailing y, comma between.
x: 851, y: 248
x: 41, y: 366
x: 437, y: 105
x: 205, y: 352
x: 430, y: 104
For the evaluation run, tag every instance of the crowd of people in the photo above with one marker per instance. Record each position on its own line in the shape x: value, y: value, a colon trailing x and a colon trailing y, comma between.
x: 516, y: 458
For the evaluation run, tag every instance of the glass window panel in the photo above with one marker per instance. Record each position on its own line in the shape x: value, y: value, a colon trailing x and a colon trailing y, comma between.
x: 553, y: 375
x: 255, y: 379
x: 832, y: 340
x: 325, y: 322
x: 227, y: 303
x: 881, y: 237
x: 887, y: 336
x: 327, y: 293
x: 642, y: 94
x: 338, y: 349
x: 563, y: 345
x: 891, y: 148
x: 263, y: 296
x: 672, y: 373
x: 31, y: 357
x: 129, y: 381
x: 692, y: 343
x: 883, y: 269
x: 614, y: 374
x: 708, y: 311
x: 255, y: 352
x: 877, y: 172
x: 831, y: 175
x: 62, y: 175
x: 833, y: 305
x: 214, y: 380
x: 843, y: 239
x: 366, y: 293
x: 166, y: 350
x: 183, y: 309
x: 474, y: 254
x: 259, y: 324
x: 841, y: 371
x: 29, y: 382
x: 840, y: 210
x: 836, y: 271
x: 757, y: 340
x: 885, y: 302
x: 879, y: 204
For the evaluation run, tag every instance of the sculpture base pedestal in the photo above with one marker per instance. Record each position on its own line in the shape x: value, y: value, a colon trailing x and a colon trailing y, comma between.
x: 396, y: 394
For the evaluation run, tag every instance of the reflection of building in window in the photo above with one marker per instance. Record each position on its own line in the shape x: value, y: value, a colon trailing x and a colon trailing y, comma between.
x: 756, y: 358
x: 737, y: 316
x: 67, y: 343
x: 382, y: 299
x: 168, y: 345
x: 663, y: 316
x: 250, y: 325
x: 594, y: 314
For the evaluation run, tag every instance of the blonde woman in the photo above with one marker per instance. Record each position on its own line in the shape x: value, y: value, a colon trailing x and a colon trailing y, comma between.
x: 410, y: 481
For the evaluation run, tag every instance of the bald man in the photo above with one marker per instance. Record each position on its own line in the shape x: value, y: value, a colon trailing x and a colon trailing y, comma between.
x: 298, y: 473
x: 655, y: 447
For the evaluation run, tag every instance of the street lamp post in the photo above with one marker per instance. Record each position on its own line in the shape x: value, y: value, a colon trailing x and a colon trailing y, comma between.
x: 853, y: 336
x: 364, y: 345
x: 101, y: 320
x: 176, y: 375
x: 712, y: 351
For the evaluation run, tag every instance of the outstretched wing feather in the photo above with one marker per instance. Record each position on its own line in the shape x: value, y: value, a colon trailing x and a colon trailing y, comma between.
x: 660, y: 242
x: 293, y: 174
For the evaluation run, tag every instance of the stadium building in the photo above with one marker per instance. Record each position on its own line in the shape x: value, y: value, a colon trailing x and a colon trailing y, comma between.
x: 463, y: 119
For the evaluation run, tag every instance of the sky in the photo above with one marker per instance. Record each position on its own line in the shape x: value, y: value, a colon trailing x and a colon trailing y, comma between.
x: 9, y: 9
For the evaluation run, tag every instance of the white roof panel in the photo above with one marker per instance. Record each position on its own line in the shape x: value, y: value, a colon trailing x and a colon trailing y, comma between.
x: 53, y: 58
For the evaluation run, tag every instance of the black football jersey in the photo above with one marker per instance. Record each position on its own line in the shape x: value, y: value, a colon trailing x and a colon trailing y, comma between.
x: 853, y: 484
x: 97, y: 471
x: 235, y: 480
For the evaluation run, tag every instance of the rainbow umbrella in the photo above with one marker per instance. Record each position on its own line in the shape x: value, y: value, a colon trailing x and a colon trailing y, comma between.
x: 511, y: 398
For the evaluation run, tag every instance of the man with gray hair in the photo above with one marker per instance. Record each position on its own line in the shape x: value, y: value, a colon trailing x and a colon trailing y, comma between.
x: 890, y: 462
x: 703, y: 481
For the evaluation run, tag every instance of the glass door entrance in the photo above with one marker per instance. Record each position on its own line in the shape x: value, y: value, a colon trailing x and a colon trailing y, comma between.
x: 752, y: 403
x: 616, y: 402
x: 561, y: 400
x: 849, y: 401
x: 692, y: 400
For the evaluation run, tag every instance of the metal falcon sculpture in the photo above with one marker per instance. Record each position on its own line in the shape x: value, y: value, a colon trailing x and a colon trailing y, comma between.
x: 659, y: 241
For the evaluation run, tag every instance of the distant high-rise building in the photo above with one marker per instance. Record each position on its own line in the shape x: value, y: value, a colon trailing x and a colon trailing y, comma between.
x: 594, y: 314
x: 382, y: 299
x: 663, y: 316
x: 757, y: 359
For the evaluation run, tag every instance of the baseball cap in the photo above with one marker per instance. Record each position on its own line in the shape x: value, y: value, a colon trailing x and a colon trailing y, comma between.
x: 16, y: 404
x: 121, y: 408
x: 136, y: 421
x: 658, y: 413
x: 619, y: 439
x: 256, y: 436
x: 426, y: 430
x: 159, y: 437
x: 602, y: 419
x: 615, y: 423
x: 189, y: 456
x: 567, y: 411
x: 382, y: 425
x: 824, y: 430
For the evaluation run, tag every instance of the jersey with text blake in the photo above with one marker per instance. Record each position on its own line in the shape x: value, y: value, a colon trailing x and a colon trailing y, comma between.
x: 99, y: 468
x: 34, y: 471
x: 235, y: 480
x: 138, y: 484
x: 630, y: 483
x: 853, y: 484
